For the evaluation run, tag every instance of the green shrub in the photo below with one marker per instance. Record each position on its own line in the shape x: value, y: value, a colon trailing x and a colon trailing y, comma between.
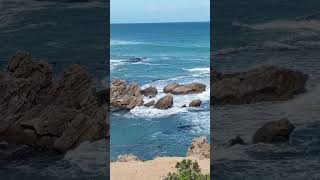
x: 187, y: 170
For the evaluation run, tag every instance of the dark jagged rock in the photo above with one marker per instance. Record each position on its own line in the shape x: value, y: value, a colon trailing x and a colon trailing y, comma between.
x: 150, y: 92
x: 274, y: 132
x: 125, y: 96
x: 177, y: 89
x: 266, y: 83
x: 236, y: 140
x: 195, y: 103
x: 36, y: 111
x: 165, y: 102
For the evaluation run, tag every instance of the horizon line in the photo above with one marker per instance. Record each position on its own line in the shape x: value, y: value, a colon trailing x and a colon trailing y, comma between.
x: 159, y: 22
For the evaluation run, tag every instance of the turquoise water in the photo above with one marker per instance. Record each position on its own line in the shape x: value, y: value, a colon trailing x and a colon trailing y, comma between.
x: 278, y: 32
x: 63, y: 34
x: 170, y: 52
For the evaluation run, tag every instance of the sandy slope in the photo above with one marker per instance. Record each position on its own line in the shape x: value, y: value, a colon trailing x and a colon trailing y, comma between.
x: 151, y: 170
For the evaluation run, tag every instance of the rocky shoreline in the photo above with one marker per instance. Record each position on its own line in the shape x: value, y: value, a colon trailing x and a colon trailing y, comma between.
x: 125, y: 96
x: 264, y: 83
x: 58, y: 115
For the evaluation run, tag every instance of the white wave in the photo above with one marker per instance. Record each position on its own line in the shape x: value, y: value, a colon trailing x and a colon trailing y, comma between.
x: 200, y: 71
x: 116, y: 62
x: 123, y: 42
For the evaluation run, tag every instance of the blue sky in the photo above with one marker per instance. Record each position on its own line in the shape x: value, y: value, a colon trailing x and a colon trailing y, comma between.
x: 148, y: 11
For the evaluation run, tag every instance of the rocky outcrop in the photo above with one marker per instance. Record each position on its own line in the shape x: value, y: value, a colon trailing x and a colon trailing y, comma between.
x: 273, y: 132
x: 127, y: 158
x: 36, y: 111
x: 199, y: 148
x: 165, y: 102
x: 177, y: 89
x: 150, y: 92
x: 149, y: 104
x: 125, y: 96
x: 195, y: 103
x: 265, y: 83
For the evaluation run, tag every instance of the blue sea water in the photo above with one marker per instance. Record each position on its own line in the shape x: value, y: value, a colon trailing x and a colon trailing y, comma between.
x: 169, y: 52
x: 63, y: 34
x: 278, y: 32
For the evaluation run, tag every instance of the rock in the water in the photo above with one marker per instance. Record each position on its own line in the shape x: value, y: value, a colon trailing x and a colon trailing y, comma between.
x: 266, y: 83
x: 149, y: 104
x: 199, y: 148
x: 125, y: 96
x: 127, y: 158
x: 177, y: 89
x: 36, y: 111
x: 150, y: 92
x: 195, y: 103
x: 236, y: 140
x: 273, y: 132
x: 165, y: 102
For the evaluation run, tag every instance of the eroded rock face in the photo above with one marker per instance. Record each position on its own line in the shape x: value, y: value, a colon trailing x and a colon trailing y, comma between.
x: 274, y: 132
x: 266, y: 83
x: 127, y: 158
x: 38, y: 112
x: 150, y: 92
x: 125, y: 96
x: 177, y: 89
x: 165, y: 102
x: 199, y: 148
x: 195, y: 103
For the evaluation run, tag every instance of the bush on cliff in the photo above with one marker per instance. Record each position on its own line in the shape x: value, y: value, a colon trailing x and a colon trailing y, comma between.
x: 187, y: 170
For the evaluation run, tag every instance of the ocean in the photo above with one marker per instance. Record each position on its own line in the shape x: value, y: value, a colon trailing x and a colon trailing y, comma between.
x: 63, y: 34
x: 250, y: 33
x: 169, y: 52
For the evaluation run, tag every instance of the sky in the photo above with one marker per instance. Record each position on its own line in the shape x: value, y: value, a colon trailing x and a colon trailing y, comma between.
x: 155, y: 11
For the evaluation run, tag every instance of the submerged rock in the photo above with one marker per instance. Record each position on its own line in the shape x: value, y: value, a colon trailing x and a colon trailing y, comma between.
x: 177, y: 89
x: 125, y: 96
x: 149, y: 104
x: 236, y: 140
x: 150, y: 92
x: 195, y: 103
x: 199, y: 148
x: 127, y: 158
x: 266, y: 83
x: 273, y: 132
x: 165, y: 102
x: 36, y: 111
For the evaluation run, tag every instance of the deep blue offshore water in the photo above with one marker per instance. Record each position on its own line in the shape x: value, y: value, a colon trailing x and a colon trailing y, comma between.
x: 62, y: 34
x: 169, y: 52
x: 248, y: 34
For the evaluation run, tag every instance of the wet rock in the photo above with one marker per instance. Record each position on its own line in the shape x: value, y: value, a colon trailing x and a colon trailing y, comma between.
x: 36, y: 111
x: 125, y: 96
x: 137, y: 59
x: 165, y: 102
x: 149, y: 104
x: 184, y: 106
x: 191, y: 88
x: 127, y: 158
x: 199, y: 148
x: 236, y: 140
x: 195, y: 103
x: 150, y: 92
x: 274, y: 132
x: 265, y: 83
